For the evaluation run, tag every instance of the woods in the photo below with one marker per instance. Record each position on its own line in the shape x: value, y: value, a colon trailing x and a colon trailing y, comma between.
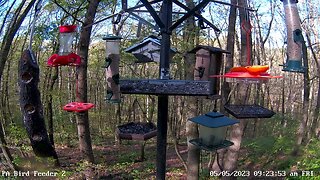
x: 85, y: 144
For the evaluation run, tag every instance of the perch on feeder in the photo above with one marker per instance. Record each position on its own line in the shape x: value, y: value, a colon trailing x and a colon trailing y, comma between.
x: 65, y: 55
x: 212, y: 131
x: 294, y: 37
x: 148, y: 50
x: 112, y: 68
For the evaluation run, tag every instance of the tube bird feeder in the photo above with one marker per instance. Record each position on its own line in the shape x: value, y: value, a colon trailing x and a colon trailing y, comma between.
x: 66, y: 56
x: 294, y: 37
x: 112, y: 68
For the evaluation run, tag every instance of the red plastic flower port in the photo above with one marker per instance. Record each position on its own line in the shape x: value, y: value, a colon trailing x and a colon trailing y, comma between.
x: 78, y: 107
x: 71, y: 59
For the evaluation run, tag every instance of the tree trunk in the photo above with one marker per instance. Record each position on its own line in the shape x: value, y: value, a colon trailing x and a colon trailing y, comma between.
x: 306, y: 93
x: 228, y: 65
x: 82, y: 118
x: 54, y: 78
x: 230, y: 162
x: 31, y: 106
x: 5, y: 150
x: 189, y: 38
x: 12, y: 29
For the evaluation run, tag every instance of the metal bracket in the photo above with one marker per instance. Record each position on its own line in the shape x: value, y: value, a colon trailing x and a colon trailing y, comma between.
x: 197, y: 15
x: 189, y: 13
x: 153, y: 13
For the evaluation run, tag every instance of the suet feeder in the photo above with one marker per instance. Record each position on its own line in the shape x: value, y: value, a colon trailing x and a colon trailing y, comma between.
x: 148, y: 50
x: 212, y: 131
x: 294, y: 37
x: 208, y: 61
x: 65, y: 56
x: 112, y: 68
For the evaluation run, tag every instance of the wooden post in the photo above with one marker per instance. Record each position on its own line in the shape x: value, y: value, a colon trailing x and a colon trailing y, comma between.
x: 31, y: 106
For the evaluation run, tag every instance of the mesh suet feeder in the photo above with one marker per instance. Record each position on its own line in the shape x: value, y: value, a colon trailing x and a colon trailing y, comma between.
x: 294, y: 37
x: 66, y: 56
x: 212, y: 131
x: 112, y: 68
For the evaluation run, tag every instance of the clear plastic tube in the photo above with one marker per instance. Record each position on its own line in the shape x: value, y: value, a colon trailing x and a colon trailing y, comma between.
x: 66, y: 40
x: 294, y: 33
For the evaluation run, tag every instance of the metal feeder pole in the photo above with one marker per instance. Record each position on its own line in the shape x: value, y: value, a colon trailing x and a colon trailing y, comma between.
x: 163, y: 115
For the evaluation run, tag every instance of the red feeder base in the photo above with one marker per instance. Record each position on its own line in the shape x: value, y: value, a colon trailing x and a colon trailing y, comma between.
x: 71, y: 59
x: 78, y: 107
x: 246, y: 75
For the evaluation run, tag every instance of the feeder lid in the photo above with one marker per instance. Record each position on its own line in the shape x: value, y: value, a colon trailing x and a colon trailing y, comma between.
x: 209, y: 48
x: 150, y: 39
x: 214, y: 120
x: 111, y: 37
x: 67, y: 28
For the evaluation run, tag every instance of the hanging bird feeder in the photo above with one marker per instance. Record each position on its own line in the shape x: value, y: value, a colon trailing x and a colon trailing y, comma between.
x: 249, y: 74
x: 112, y: 68
x: 212, y: 131
x: 78, y: 107
x: 65, y: 57
x: 294, y: 37
x: 148, y: 50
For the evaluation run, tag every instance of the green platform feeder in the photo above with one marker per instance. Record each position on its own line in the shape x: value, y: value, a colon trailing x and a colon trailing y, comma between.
x: 212, y: 131
x: 294, y: 37
x: 112, y: 68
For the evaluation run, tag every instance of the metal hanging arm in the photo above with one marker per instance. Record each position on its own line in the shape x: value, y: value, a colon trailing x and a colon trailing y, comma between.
x: 142, y: 20
x: 225, y: 3
x: 189, y: 13
x: 197, y: 15
x: 36, y: 14
x: 153, y: 13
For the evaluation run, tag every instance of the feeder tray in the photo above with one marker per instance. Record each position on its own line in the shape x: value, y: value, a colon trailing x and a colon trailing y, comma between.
x: 250, y: 74
x: 248, y: 111
x: 246, y: 77
x: 137, y: 131
x: 198, y: 143
x: 71, y: 59
x: 166, y: 87
x: 78, y: 107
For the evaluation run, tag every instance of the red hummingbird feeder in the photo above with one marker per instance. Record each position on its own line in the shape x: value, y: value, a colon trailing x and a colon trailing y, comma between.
x: 65, y: 57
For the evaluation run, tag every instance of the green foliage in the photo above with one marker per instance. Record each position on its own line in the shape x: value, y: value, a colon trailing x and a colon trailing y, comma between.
x: 310, y: 159
x: 17, y: 134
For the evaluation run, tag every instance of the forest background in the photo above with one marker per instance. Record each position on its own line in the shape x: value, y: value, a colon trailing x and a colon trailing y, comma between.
x: 287, y: 141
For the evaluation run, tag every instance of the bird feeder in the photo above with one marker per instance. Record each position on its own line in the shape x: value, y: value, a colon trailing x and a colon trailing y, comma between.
x: 148, y: 50
x: 212, y: 131
x: 78, y: 107
x: 245, y: 111
x: 208, y: 61
x: 294, y: 37
x: 66, y: 56
x: 248, y: 74
x: 112, y: 68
